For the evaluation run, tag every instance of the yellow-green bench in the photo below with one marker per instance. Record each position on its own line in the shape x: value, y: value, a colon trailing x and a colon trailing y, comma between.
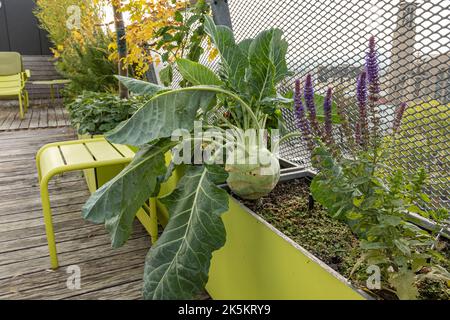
x: 52, y: 84
x: 13, y: 78
x: 57, y: 158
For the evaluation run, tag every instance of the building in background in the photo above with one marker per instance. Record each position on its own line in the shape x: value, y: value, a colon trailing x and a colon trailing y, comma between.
x: 412, y: 76
x: 19, y: 30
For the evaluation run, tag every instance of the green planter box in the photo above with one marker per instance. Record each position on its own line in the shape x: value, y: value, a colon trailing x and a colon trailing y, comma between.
x: 260, y: 262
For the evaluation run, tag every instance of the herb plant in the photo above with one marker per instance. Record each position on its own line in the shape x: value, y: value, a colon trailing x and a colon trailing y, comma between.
x: 371, y: 197
x: 97, y: 113
x: 242, y: 97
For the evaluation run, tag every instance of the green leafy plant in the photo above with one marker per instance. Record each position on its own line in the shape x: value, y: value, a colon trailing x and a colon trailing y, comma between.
x: 243, y: 96
x: 371, y: 197
x: 375, y: 204
x: 88, y: 67
x: 80, y: 47
x: 97, y: 113
x: 185, y: 39
x: 422, y: 140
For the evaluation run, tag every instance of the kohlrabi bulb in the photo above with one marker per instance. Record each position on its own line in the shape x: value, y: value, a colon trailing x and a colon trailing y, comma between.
x: 252, y: 174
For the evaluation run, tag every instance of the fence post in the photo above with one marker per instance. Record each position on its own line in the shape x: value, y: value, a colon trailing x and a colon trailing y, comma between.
x: 221, y: 12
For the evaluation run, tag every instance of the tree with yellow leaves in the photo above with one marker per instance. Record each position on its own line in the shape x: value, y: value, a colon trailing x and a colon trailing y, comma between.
x: 80, y: 43
x: 162, y: 31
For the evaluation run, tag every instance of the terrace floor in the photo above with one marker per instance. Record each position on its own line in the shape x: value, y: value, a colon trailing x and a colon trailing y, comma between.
x: 36, y: 117
x: 24, y: 260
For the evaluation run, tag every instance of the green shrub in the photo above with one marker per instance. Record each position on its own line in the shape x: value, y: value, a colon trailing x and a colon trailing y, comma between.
x: 88, y: 67
x: 97, y: 113
x: 423, y: 141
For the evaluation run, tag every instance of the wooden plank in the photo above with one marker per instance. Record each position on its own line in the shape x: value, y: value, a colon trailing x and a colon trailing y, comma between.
x: 41, y: 239
x: 71, y: 245
x: 15, y: 124
x: 64, y: 226
x: 31, y: 201
x: 4, y: 113
x: 39, y: 58
x: 52, y: 284
x: 69, y: 258
x: 25, y: 124
x: 51, y: 117
x: 8, y: 121
x: 126, y: 291
x: 60, y: 119
x: 22, y: 193
x: 31, y: 182
x: 43, y: 119
x: 34, y: 123
x: 45, y: 133
x: 36, y: 213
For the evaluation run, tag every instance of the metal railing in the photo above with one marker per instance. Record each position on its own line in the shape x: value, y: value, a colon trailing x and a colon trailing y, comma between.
x: 329, y: 38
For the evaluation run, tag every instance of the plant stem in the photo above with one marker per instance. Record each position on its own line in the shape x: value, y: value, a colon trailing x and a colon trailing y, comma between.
x: 220, y: 90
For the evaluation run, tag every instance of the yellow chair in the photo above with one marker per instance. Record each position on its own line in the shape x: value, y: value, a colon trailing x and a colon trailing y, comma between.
x: 59, y: 157
x: 13, y: 78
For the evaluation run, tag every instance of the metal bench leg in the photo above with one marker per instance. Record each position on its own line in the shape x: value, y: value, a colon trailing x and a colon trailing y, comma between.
x: 27, y: 100
x: 153, y: 221
x: 20, y: 106
x: 149, y: 219
x: 45, y: 199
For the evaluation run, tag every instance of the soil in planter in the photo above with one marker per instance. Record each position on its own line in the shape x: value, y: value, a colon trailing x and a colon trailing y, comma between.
x: 289, y: 208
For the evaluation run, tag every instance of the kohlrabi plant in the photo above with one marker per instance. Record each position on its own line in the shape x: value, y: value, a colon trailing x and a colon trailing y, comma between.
x: 241, y: 98
x: 359, y: 187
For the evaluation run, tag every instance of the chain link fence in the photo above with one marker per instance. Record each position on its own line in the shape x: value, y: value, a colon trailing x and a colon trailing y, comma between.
x: 328, y: 39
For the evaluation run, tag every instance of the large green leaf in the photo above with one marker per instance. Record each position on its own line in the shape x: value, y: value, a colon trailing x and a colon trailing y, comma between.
x: 177, y: 266
x: 166, y: 75
x: 141, y: 87
x: 234, y: 59
x: 197, y: 74
x: 267, y: 63
x: 117, y: 202
x: 244, y: 45
x: 161, y: 115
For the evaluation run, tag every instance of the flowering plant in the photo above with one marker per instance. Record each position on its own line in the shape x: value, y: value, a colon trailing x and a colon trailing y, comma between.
x: 371, y: 197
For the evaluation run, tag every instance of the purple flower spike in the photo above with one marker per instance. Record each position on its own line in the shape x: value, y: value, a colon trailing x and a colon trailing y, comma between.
x: 309, y: 101
x: 361, y: 93
x: 372, y: 70
x: 399, y: 116
x: 361, y: 89
x: 300, y: 115
x: 327, y: 112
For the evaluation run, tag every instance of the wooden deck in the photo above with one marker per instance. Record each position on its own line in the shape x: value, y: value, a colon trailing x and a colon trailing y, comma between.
x: 105, y: 273
x: 36, y: 117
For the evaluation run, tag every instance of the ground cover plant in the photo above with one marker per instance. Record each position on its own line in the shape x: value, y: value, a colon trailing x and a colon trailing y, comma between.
x: 96, y: 113
x: 288, y: 208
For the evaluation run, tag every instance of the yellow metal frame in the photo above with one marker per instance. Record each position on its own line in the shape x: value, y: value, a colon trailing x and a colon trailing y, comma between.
x: 14, y: 85
x: 49, y: 165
